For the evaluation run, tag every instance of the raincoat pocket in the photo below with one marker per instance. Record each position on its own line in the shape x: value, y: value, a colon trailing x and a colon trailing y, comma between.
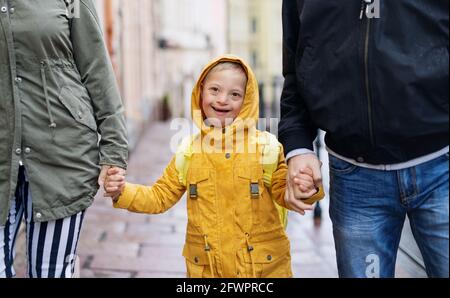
x: 197, y: 260
x: 251, y: 186
x: 80, y: 112
x: 271, y: 259
x: 201, y: 196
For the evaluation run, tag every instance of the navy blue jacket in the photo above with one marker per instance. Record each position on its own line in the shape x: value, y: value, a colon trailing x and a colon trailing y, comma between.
x: 377, y: 86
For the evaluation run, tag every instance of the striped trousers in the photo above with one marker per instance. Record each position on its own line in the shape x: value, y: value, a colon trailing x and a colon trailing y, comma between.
x: 51, y: 246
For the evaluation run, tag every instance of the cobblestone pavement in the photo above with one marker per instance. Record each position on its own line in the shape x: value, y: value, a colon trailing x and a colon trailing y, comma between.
x: 116, y: 243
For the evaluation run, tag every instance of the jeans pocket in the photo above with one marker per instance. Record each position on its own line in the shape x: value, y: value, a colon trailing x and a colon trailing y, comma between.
x: 340, y: 166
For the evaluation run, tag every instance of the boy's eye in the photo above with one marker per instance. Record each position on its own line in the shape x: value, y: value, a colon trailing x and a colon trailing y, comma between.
x: 214, y: 89
x: 236, y: 94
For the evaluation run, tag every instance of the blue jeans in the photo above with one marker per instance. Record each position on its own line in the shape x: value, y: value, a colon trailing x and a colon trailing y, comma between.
x: 368, y: 209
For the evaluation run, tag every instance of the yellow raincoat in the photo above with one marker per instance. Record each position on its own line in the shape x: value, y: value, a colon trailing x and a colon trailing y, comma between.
x: 234, y: 229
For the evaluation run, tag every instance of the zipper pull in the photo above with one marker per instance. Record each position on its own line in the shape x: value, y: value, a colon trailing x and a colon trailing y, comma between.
x: 364, y: 8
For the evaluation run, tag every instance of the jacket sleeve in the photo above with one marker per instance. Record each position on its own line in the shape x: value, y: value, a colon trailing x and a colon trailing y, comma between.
x: 160, y: 197
x: 94, y: 65
x: 278, y: 188
x: 296, y: 129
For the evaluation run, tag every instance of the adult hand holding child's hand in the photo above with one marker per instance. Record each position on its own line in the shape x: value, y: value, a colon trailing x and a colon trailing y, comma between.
x: 303, y: 177
x: 114, y: 182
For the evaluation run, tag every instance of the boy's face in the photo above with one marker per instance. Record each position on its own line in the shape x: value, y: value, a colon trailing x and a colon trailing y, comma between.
x: 223, y: 94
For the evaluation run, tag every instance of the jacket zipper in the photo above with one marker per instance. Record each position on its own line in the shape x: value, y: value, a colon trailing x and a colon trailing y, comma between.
x: 366, y: 69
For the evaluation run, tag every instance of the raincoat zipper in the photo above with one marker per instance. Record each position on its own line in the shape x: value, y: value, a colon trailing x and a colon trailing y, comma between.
x: 366, y: 68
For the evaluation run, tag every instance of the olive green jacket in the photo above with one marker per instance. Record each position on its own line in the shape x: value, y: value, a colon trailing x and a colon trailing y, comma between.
x: 60, y: 108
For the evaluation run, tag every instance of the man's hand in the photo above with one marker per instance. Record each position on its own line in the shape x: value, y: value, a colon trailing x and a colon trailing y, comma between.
x: 298, y: 166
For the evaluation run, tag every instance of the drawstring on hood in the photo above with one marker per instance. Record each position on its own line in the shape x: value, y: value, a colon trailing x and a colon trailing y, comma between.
x: 47, y: 101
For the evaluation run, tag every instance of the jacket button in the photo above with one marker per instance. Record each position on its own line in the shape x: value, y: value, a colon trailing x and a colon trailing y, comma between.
x: 196, y: 259
x: 360, y: 159
x: 18, y: 80
x: 269, y: 258
x: 4, y: 9
x: 12, y: 10
x: 27, y: 150
x: 38, y: 215
x: 18, y: 151
x: 228, y: 156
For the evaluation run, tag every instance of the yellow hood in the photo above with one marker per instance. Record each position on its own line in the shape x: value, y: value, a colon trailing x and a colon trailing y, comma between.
x: 250, y: 107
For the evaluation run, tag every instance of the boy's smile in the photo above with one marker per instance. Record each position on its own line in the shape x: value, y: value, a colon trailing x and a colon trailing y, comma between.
x: 223, y: 93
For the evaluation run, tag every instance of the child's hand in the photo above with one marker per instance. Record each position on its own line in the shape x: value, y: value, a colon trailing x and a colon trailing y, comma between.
x: 114, y: 183
x: 304, y: 184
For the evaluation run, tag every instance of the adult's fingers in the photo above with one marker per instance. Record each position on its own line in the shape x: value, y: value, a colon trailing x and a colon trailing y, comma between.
x: 299, y: 205
x: 306, y: 171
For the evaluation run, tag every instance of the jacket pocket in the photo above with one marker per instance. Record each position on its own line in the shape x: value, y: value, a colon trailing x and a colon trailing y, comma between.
x: 201, y: 195
x: 250, y: 185
x: 197, y: 260
x: 271, y: 259
x: 80, y: 112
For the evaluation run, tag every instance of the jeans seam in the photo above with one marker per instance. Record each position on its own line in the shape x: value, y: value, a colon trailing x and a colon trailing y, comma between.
x: 414, y: 181
x: 403, y: 199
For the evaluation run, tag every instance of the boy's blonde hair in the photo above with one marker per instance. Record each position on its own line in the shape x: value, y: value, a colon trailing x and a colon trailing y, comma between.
x: 226, y: 66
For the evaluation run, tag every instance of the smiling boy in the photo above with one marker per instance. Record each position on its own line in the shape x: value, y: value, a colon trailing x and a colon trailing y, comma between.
x: 234, y: 228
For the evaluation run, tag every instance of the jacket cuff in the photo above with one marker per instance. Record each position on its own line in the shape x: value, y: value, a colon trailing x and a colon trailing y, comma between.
x: 298, y: 152
x: 116, y: 158
x: 126, y: 198
x: 315, y: 198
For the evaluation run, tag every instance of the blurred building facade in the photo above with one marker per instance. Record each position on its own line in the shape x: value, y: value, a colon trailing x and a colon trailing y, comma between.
x: 158, y: 48
x: 131, y: 29
x: 255, y: 33
x: 192, y: 33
